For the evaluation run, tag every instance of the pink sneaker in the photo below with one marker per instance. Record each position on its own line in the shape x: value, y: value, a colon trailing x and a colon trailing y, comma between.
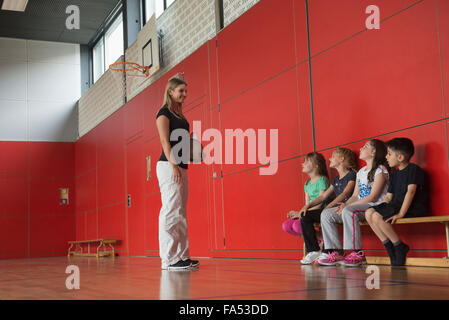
x: 332, y: 259
x: 354, y: 259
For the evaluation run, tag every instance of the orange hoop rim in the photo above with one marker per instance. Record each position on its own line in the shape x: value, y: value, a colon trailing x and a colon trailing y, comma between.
x: 145, y: 70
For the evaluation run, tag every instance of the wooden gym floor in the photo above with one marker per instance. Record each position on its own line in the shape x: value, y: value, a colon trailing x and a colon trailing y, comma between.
x: 224, y: 279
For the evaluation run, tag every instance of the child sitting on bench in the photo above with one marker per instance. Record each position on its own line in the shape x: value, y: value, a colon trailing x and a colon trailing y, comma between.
x: 406, y: 197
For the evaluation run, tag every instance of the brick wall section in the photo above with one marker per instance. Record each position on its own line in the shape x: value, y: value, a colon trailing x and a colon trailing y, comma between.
x: 101, y: 100
x: 232, y: 9
x: 186, y: 26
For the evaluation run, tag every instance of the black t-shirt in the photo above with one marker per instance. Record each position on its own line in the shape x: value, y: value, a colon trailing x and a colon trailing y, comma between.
x: 175, y: 123
x: 399, y: 182
x: 340, y: 184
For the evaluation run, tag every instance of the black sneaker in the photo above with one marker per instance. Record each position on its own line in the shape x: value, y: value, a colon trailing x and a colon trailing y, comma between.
x: 401, y: 254
x: 193, y: 263
x: 179, y: 265
x: 390, y: 250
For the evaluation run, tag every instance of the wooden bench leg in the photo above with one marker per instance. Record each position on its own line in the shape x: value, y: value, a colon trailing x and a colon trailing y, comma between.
x: 98, y: 248
x: 112, y: 247
x: 68, y: 254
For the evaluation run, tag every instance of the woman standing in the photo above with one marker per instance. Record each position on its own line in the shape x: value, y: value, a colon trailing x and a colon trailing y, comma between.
x: 171, y: 173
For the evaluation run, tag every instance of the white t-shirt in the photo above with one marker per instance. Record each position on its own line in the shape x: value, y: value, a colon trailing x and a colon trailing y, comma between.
x: 365, y: 187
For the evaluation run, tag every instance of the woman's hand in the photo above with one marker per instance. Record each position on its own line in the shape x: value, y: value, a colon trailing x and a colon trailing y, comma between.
x: 176, y: 173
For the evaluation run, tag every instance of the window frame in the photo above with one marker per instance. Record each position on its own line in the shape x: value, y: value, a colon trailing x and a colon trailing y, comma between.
x: 108, y: 33
x: 100, y: 36
x: 93, y: 57
x: 144, y: 13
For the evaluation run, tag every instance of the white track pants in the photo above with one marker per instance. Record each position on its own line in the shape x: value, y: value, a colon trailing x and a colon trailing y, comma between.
x: 350, y: 218
x: 173, y: 239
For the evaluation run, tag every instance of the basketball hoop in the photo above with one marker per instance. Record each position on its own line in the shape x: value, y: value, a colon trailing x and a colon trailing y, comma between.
x: 130, y: 67
x: 130, y: 76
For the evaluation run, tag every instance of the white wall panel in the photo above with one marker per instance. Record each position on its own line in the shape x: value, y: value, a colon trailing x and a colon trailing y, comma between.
x: 15, y: 49
x: 39, y: 88
x: 52, y: 121
x: 53, y: 52
x: 53, y: 82
x: 13, y: 79
x: 13, y: 120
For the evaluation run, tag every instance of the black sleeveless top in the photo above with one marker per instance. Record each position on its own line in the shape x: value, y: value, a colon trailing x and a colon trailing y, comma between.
x: 175, y: 123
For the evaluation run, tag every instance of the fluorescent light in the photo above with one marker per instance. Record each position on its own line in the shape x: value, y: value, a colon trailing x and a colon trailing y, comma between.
x: 14, y: 5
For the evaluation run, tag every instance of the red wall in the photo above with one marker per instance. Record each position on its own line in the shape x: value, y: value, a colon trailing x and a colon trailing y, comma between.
x: 255, y: 74
x: 32, y: 222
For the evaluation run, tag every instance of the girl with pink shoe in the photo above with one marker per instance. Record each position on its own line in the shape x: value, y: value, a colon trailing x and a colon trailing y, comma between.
x: 344, y: 161
x: 315, y: 167
x: 370, y: 190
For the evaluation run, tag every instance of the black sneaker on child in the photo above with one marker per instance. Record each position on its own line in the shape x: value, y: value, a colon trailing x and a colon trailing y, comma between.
x: 401, y: 251
x: 179, y: 265
x: 193, y: 263
x: 390, y: 250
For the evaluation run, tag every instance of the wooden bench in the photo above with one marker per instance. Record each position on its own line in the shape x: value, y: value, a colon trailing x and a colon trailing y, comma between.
x: 99, y: 253
x: 426, y: 262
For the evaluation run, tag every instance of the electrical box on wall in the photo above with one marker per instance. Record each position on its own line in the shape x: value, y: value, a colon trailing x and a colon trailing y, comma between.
x: 63, y: 196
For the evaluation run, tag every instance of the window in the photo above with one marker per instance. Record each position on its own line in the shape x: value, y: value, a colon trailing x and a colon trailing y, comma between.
x: 149, y: 9
x: 155, y: 6
x: 113, y: 40
x: 159, y: 7
x: 98, y: 60
x: 108, y: 48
